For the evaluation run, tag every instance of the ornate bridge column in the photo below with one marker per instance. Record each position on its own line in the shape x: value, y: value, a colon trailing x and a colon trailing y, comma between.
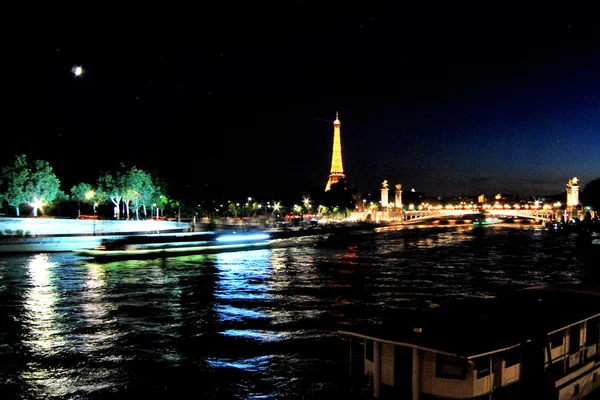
x: 384, y: 194
x: 572, y: 198
x: 398, y: 194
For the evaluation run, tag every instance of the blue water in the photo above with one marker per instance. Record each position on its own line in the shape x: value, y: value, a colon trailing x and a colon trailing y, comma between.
x: 252, y: 324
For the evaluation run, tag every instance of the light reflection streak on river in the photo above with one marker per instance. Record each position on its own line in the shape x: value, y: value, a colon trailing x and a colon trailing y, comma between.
x: 44, y: 337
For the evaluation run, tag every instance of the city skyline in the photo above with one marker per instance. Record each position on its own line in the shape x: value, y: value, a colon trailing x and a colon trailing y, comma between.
x: 249, y: 104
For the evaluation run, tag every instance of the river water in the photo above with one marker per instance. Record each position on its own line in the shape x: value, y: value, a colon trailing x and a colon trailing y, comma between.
x: 251, y: 324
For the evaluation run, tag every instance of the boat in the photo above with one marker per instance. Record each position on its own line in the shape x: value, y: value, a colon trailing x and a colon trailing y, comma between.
x: 483, y: 220
x: 533, y: 343
x: 163, y: 245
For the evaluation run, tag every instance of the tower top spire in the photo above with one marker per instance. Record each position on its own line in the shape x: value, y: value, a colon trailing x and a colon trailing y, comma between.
x: 337, y: 120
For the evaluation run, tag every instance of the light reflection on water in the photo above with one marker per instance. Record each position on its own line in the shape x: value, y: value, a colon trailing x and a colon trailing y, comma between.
x: 41, y: 314
x: 253, y: 324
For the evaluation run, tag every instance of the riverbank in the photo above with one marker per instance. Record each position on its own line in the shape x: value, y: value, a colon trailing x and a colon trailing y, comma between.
x: 49, y: 226
x: 66, y: 243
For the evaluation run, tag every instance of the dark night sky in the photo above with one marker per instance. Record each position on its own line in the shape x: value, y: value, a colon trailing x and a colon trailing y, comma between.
x: 444, y: 106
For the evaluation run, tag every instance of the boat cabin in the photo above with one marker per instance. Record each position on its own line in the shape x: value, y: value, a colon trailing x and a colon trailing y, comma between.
x: 535, y: 343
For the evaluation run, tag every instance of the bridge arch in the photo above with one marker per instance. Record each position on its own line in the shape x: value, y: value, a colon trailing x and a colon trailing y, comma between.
x: 418, y: 216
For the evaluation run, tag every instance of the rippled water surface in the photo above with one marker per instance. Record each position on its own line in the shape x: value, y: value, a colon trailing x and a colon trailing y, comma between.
x: 253, y: 324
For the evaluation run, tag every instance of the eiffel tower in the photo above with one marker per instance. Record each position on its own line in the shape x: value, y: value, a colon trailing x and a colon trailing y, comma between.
x: 337, y: 169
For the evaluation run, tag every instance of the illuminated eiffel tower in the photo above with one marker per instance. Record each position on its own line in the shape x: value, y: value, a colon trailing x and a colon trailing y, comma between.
x: 337, y: 169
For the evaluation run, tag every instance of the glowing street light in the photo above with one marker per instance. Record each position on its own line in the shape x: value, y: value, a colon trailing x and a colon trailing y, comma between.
x: 36, y: 204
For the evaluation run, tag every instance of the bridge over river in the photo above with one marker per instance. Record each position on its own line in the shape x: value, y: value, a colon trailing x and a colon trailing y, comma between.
x: 415, y: 216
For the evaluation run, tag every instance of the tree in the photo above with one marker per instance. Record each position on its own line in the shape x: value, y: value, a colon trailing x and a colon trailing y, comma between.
x: 42, y: 186
x: 591, y: 194
x: 158, y: 198
x: 173, y: 204
x: 339, y: 195
x: 15, y: 177
x: 233, y: 209
x: 111, y: 187
x: 82, y: 192
x: 139, y: 190
x: 61, y: 198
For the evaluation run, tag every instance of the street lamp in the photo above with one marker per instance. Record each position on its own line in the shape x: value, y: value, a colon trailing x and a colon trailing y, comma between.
x: 36, y: 204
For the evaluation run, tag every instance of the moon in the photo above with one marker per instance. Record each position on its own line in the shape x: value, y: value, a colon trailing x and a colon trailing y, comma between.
x: 77, y: 70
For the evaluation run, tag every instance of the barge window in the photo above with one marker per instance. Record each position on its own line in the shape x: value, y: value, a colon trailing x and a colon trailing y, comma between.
x: 450, y: 367
x: 557, y: 339
x: 574, y: 339
x: 512, y: 357
x: 369, y: 349
x: 482, y: 365
x: 593, y: 332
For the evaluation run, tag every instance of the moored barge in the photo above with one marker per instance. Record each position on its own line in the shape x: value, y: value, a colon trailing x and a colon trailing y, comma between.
x: 533, y: 343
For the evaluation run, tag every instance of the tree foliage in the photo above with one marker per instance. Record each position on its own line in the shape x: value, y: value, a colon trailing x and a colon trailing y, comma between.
x: 15, y: 176
x: 81, y: 193
x: 339, y: 195
x: 139, y: 190
x: 34, y: 184
x: 133, y: 189
x: 111, y: 187
x: 42, y: 186
x: 591, y: 194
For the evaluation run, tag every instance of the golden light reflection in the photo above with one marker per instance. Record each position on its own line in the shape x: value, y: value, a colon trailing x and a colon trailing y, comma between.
x: 96, y: 311
x: 40, y: 308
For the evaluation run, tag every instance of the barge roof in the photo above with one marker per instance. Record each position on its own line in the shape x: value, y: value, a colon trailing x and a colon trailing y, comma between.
x: 475, y: 327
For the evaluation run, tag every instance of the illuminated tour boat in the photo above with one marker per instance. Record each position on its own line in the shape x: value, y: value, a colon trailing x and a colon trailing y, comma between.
x: 533, y: 343
x: 161, y: 245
